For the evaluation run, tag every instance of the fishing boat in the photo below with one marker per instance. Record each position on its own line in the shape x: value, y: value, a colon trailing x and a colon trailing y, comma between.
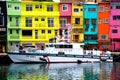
x: 58, y: 52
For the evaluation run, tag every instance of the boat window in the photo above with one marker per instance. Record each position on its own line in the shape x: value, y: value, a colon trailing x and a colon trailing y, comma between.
x: 56, y: 46
x: 65, y: 46
x: 29, y: 46
x: 47, y: 46
x: 51, y: 45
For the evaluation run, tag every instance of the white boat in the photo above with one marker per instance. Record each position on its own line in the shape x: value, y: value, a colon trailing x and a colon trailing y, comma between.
x: 58, y: 52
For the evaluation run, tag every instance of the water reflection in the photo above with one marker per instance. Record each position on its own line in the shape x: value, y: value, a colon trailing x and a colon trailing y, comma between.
x: 68, y: 71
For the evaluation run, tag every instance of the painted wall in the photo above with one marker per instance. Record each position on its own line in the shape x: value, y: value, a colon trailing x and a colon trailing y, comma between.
x: 13, y: 20
x: 39, y: 25
x: 90, y: 15
x: 67, y: 12
x: 103, y: 28
x: 77, y: 29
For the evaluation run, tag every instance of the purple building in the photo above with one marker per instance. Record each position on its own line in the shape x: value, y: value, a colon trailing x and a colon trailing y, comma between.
x: 115, y: 25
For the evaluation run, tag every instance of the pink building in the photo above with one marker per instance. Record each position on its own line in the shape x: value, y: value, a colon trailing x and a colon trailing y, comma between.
x: 65, y: 16
x: 115, y: 25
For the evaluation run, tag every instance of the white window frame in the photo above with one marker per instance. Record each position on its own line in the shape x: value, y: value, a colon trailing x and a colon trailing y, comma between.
x: 50, y: 22
x: 99, y: 21
x: 106, y: 20
x: 106, y: 38
x: 62, y: 21
x: 101, y: 7
x: 17, y: 21
x: 28, y: 7
x: 9, y: 6
x: 17, y: 8
x: 50, y: 8
x: 65, y: 5
x: 29, y: 19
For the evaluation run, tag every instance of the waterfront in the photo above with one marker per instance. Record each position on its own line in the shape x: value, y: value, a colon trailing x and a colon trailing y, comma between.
x: 61, y: 71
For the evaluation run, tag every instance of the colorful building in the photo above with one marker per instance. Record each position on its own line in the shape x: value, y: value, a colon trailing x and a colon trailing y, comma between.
x: 65, y: 19
x: 115, y: 25
x: 77, y: 23
x: 90, y: 25
x: 39, y: 22
x: 103, y: 25
x: 3, y: 26
x: 14, y: 24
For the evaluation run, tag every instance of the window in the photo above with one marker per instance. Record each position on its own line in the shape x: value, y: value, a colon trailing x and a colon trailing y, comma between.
x: 76, y: 10
x: 28, y: 7
x: 36, y: 6
x: 40, y: 6
x: 36, y: 34
x: 101, y: 8
x: 105, y: 20
x: 9, y: 6
x: 42, y: 19
x: 56, y: 32
x: 49, y: 31
x: 117, y: 7
x: 16, y: 7
x: 106, y: 8
x: 91, y: 9
x: 64, y: 7
x: 81, y: 9
x: 94, y: 21
x: 26, y: 32
x: 63, y: 22
x: 114, y: 31
x: 1, y: 21
x: 50, y: 22
x: 10, y: 19
x: 77, y: 20
x: 103, y: 37
x: 28, y: 22
x: 10, y: 31
x: 17, y: 32
x: 43, y: 31
x: 36, y: 19
x: 17, y: 21
x: 86, y: 21
x: 116, y: 17
x: 0, y: 10
x: 99, y: 21
x: 49, y: 8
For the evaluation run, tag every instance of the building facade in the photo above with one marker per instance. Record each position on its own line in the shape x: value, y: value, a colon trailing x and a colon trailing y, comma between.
x: 14, y: 24
x: 3, y: 27
x: 115, y: 25
x: 90, y: 25
x: 39, y: 22
x: 103, y: 25
x: 65, y: 19
x: 77, y: 24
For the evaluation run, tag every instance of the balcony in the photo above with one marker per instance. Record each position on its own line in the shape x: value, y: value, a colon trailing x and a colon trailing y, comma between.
x: 13, y: 25
x: 15, y: 36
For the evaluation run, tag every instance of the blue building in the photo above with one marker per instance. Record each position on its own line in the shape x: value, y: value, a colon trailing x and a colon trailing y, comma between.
x: 90, y: 25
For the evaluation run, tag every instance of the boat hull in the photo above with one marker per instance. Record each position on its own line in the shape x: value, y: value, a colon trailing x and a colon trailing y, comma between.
x: 56, y: 58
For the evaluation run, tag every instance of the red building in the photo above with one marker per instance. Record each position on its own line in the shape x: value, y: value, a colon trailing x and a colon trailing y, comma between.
x: 103, y: 25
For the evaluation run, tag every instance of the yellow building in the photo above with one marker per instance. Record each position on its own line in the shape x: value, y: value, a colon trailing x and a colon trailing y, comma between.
x: 39, y: 22
x: 77, y: 23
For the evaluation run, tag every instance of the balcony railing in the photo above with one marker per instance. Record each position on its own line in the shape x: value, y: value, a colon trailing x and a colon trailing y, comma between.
x: 15, y: 36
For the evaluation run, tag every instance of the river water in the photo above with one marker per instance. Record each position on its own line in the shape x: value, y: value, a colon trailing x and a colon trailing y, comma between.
x: 61, y: 71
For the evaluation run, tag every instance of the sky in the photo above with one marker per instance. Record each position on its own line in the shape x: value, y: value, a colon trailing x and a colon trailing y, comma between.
x: 56, y: 0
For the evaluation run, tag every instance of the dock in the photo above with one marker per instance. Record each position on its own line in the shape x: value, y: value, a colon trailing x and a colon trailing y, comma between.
x: 116, y: 56
x: 4, y: 59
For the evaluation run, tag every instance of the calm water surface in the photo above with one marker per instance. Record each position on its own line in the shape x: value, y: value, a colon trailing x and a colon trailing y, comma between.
x: 61, y: 71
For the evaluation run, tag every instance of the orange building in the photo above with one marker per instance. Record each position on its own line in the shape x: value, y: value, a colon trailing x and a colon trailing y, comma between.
x: 103, y: 25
